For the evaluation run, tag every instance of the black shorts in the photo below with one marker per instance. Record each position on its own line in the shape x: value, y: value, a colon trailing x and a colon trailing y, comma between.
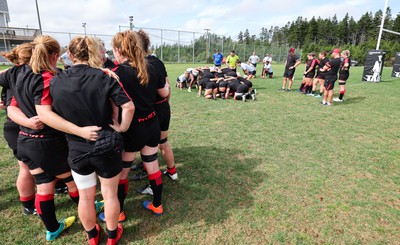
x: 106, y: 166
x: 320, y: 75
x: 142, y: 134
x: 11, y: 132
x: 329, y: 83
x: 310, y: 75
x: 163, y: 112
x: 211, y: 85
x: 343, y: 76
x: 243, y: 88
x: 289, y: 73
x: 248, y: 83
x: 252, y: 72
x: 223, y: 84
x: 254, y: 64
x: 49, y: 153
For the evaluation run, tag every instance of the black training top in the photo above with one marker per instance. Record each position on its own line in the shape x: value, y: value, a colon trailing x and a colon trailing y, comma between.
x: 32, y: 89
x: 343, y: 69
x: 334, y: 66
x: 82, y: 94
x: 7, y: 81
x: 311, y: 64
x: 291, y: 60
x: 157, y: 71
x: 143, y: 96
x: 322, y: 64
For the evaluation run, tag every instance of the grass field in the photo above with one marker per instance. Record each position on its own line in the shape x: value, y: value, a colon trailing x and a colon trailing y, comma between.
x: 281, y: 170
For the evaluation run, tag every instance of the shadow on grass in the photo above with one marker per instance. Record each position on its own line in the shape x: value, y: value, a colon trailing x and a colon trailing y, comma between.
x: 352, y: 100
x: 6, y: 203
x: 212, y: 182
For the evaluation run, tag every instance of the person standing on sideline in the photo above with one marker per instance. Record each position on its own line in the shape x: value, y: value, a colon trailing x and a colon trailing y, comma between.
x: 231, y: 60
x: 320, y: 77
x: 64, y: 58
x: 254, y: 59
x: 291, y: 63
x: 218, y: 57
x: 343, y: 74
x: 331, y: 68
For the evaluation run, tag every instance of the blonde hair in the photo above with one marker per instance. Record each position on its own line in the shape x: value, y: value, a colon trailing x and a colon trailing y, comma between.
x: 145, y: 40
x: 129, y: 45
x: 19, y: 55
x: 346, y: 52
x: 45, y: 46
x: 86, y: 49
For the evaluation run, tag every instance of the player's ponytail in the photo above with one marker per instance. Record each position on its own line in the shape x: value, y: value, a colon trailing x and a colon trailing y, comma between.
x: 85, y: 49
x: 145, y: 40
x: 45, y: 47
x: 20, y: 54
x: 129, y: 44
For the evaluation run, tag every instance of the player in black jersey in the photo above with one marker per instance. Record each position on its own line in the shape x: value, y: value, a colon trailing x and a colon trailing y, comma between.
x: 291, y: 63
x: 320, y: 77
x: 20, y: 55
x: 309, y: 72
x: 331, y: 68
x: 142, y: 86
x: 82, y: 96
x: 45, y: 150
x: 343, y: 74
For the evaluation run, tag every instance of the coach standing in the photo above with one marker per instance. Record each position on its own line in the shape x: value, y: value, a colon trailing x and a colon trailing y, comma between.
x: 291, y: 63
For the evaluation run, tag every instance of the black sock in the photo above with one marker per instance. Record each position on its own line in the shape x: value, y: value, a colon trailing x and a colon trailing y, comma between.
x: 47, y: 211
x: 313, y: 92
x: 28, y: 202
x: 112, y: 234
x: 341, y: 96
x: 93, y: 232
x: 309, y: 89
x: 302, y: 86
x: 122, y: 191
x: 320, y: 94
x: 156, y: 184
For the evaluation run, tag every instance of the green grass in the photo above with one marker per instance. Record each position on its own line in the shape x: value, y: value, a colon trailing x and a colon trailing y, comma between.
x: 281, y: 170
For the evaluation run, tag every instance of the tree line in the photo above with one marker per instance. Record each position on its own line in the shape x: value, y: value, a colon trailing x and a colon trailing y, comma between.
x: 315, y: 34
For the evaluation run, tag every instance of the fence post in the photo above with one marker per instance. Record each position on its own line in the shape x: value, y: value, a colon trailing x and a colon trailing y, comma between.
x: 194, y: 40
x: 162, y: 44
x: 179, y: 46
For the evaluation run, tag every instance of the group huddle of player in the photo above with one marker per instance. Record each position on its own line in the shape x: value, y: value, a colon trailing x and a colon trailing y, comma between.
x: 214, y: 82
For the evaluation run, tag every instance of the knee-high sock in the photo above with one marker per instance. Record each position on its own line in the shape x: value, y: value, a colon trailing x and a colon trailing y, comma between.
x: 74, y: 196
x: 47, y: 212
x: 122, y: 192
x: 156, y: 184
x: 342, y: 94
x: 27, y: 202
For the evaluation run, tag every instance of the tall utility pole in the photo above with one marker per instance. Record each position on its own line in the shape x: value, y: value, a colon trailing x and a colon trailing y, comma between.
x: 381, y: 29
x: 38, y: 16
x: 207, y: 43
x: 131, y: 23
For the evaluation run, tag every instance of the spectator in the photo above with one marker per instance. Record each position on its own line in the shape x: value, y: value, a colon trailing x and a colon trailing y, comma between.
x: 218, y: 57
x: 64, y: 58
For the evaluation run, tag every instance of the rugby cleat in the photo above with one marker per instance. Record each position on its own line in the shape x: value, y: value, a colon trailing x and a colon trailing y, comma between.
x: 156, y: 210
x: 64, y: 224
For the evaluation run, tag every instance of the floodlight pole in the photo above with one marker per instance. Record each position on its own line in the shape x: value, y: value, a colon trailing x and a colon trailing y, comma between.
x: 382, y: 22
x: 207, y: 30
x: 38, y: 16
x: 84, y: 28
x: 131, y: 23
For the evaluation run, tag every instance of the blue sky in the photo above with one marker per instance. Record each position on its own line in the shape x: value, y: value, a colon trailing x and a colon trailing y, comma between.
x: 222, y: 17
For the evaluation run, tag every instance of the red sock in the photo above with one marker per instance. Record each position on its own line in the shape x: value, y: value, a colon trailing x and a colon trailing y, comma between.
x: 172, y: 170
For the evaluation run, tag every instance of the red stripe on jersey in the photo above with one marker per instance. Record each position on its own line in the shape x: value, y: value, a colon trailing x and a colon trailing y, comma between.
x: 13, y: 102
x: 46, y: 97
x: 313, y: 63
x: 120, y: 84
x: 328, y: 64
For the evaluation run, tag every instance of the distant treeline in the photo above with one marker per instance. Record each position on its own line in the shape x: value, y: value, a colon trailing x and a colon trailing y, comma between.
x: 316, y: 34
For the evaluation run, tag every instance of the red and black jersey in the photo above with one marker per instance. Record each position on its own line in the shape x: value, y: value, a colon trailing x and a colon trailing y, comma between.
x: 7, y: 81
x: 109, y: 64
x: 311, y: 64
x: 81, y: 95
x: 344, y: 69
x: 143, y: 96
x: 322, y: 64
x: 32, y: 89
x: 158, y: 71
x: 334, y: 66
